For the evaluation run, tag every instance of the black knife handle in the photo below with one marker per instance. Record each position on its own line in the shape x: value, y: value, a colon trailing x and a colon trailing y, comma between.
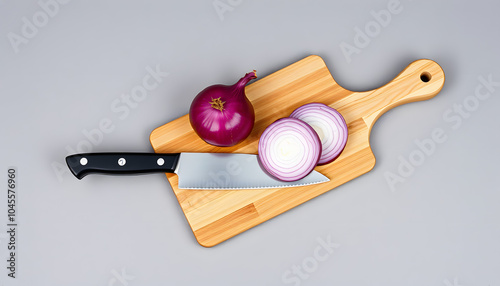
x: 121, y: 163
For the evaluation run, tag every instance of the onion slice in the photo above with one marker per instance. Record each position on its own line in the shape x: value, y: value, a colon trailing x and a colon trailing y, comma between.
x: 289, y: 149
x: 330, y: 126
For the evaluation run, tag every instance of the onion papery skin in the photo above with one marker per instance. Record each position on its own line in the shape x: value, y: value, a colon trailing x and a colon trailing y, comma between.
x: 289, y: 149
x: 330, y: 126
x: 222, y: 115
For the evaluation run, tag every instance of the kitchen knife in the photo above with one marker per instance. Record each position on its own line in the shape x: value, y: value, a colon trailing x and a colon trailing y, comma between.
x: 195, y: 170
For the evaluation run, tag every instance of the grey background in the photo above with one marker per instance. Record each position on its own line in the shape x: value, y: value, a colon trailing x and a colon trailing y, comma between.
x: 439, y: 227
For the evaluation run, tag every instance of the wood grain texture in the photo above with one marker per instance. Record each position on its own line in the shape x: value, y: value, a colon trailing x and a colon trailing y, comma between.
x: 215, y: 216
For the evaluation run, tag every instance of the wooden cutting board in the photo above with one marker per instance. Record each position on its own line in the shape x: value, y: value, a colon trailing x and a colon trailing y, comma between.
x: 215, y: 216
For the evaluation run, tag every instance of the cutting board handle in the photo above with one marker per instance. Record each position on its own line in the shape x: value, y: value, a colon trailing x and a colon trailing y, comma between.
x: 421, y: 80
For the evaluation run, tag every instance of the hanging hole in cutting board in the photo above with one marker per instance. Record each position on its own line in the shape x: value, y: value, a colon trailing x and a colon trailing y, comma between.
x: 425, y: 77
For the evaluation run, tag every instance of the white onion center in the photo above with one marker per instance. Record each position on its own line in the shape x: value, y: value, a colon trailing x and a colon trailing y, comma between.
x: 289, y: 148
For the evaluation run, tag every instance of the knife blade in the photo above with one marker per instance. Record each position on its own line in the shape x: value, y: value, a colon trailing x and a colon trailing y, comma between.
x: 216, y: 171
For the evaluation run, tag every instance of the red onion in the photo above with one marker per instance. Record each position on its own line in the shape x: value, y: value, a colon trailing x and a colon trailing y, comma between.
x: 222, y: 115
x: 289, y: 149
x: 330, y: 126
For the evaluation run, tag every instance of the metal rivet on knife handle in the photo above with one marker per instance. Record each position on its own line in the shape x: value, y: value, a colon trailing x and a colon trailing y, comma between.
x: 160, y: 162
x: 84, y: 161
x: 122, y: 161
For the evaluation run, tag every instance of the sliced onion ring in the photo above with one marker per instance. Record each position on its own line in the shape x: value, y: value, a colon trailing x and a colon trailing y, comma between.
x: 330, y: 126
x: 289, y: 149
